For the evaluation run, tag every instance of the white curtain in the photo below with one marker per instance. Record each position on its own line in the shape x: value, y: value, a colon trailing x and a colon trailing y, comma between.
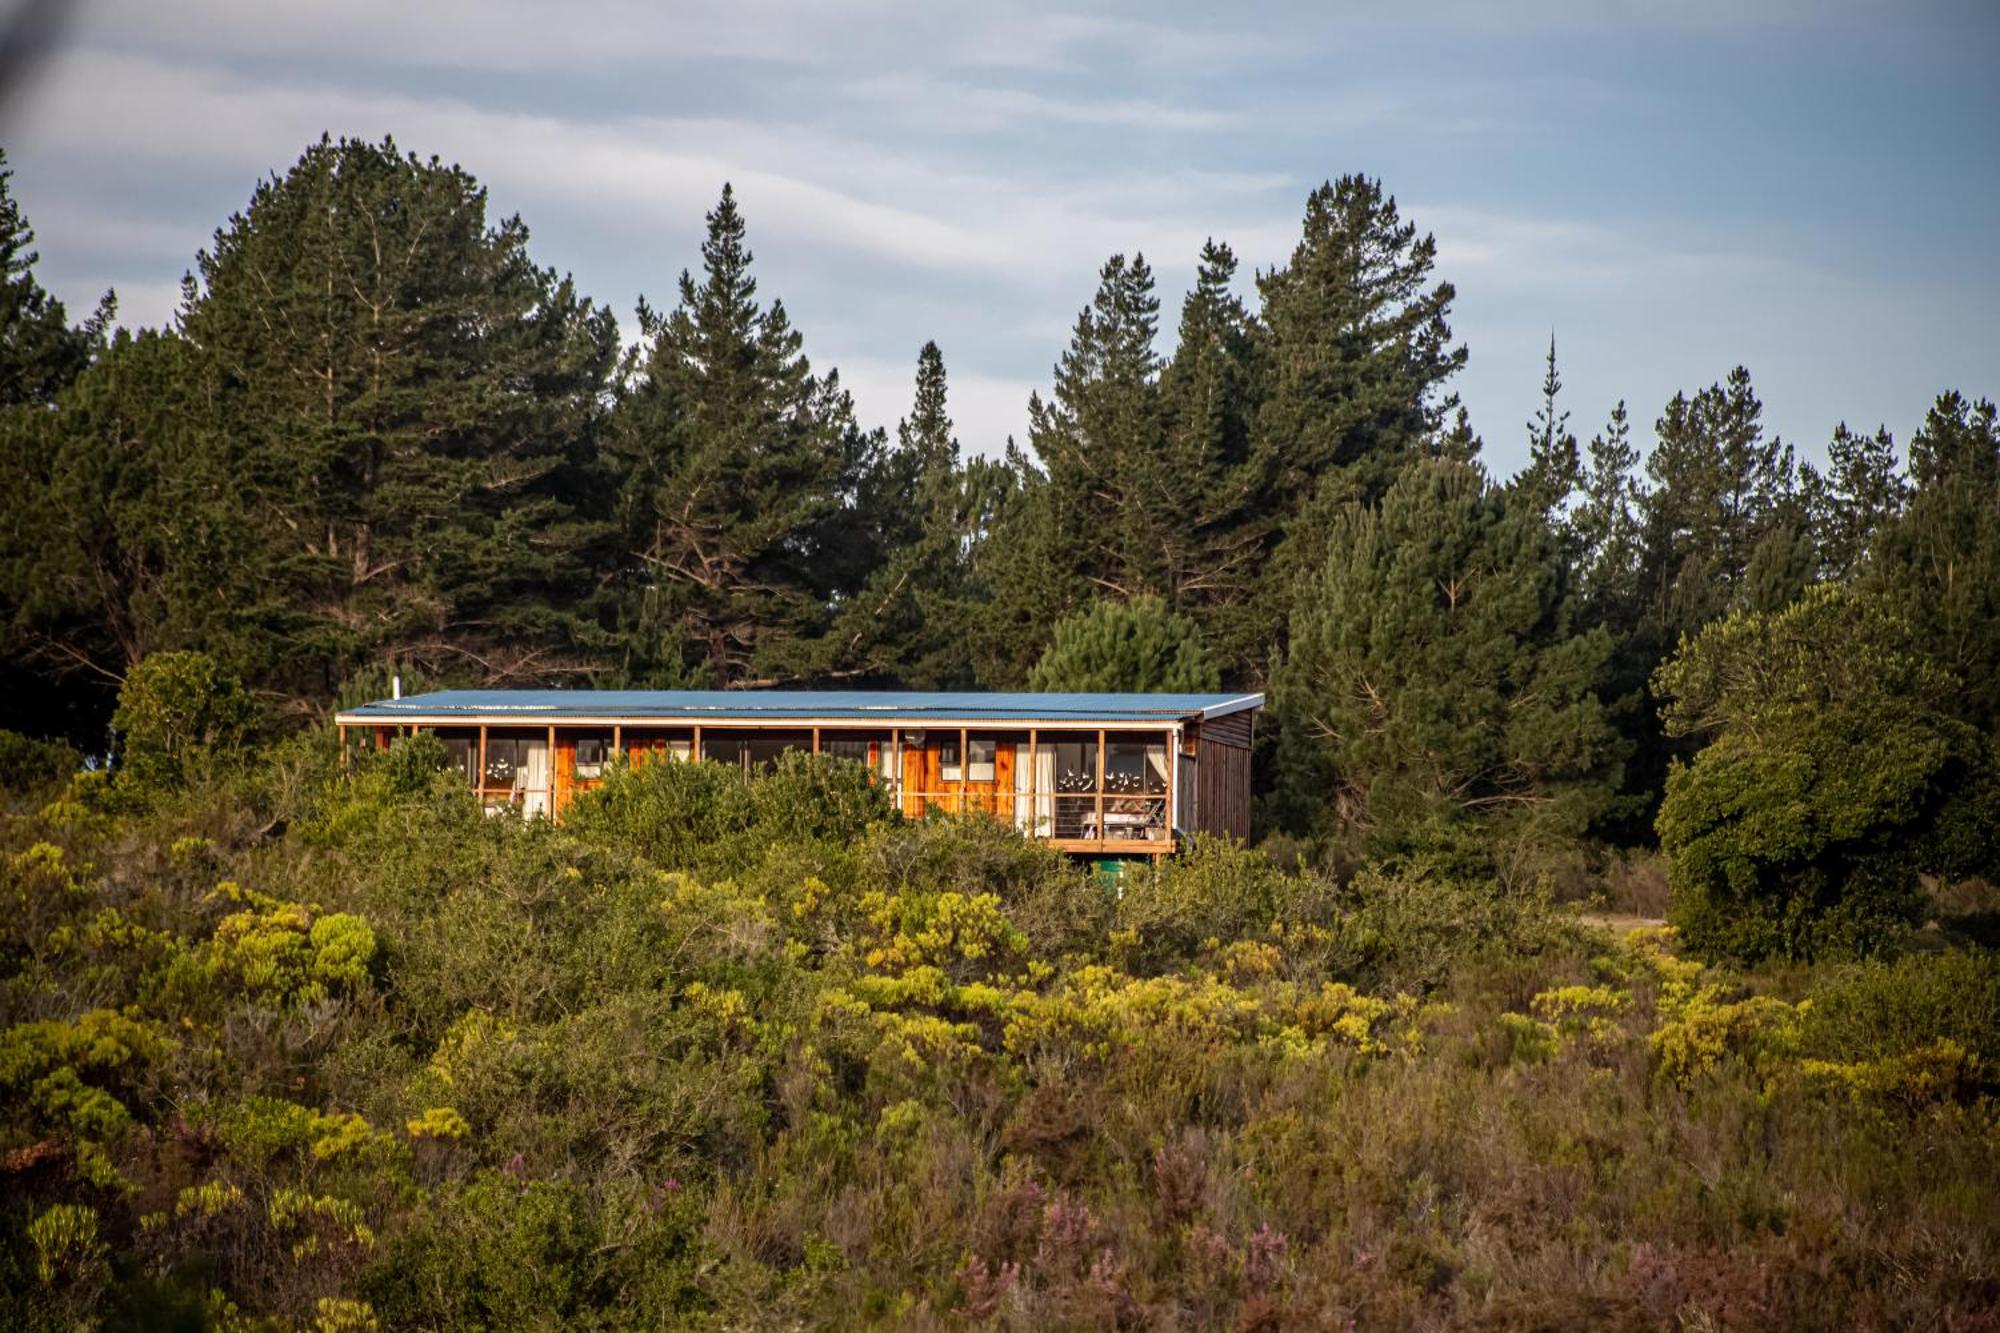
x: 1034, y: 807
x: 531, y: 779
x: 1024, y: 784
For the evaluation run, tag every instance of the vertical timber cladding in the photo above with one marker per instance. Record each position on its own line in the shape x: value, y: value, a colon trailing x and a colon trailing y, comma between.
x: 1222, y: 776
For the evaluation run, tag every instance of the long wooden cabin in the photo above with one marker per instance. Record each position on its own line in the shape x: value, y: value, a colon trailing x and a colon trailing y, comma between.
x: 1105, y: 775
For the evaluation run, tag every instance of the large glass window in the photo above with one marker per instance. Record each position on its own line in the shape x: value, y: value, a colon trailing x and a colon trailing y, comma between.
x: 1135, y: 765
x: 722, y: 747
x: 517, y: 772
x: 873, y: 750
x: 1135, y: 787
x: 762, y: 749
x: 851, y: 748
x: 752, y: 749
x: 1073, y: 765
x: 461, y: 747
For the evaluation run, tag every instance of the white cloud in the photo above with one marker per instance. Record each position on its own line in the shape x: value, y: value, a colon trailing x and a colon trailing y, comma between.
x: 798, y: 183
x: 963, y: 107
x: 910, y: 170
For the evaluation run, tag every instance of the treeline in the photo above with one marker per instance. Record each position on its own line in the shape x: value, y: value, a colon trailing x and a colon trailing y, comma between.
x: 379, y: 436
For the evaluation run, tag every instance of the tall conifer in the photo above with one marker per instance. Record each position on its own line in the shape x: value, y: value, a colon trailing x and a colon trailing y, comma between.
x: 737, y: 472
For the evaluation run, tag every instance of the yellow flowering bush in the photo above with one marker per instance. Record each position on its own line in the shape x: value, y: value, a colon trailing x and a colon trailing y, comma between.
x: 438, y: 1122
x: 286, y: 954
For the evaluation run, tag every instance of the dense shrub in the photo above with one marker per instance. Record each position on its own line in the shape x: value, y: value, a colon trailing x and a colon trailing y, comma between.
x: 1835, y: 776
x: 179, y: 716
x: 733, y: 1050
x: 26, y: 763
x: 714, y: 816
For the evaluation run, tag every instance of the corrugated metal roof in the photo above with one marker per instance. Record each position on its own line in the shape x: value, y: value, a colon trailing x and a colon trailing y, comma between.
x: 799, y: 705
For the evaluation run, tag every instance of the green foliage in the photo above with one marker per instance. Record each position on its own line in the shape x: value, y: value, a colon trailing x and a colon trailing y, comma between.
x: 1939, y: 561
x: 1138, y: 646
x: 730, y: 1047
x: 27, y: 763
x: 180, y: 717
x: 734, y: 458
x: 39, y: 350
x: 1802, y: 829
x: 1434, y: 677
x: 1875, y: 1010
x: 712, y: 816
x: 919, y: 617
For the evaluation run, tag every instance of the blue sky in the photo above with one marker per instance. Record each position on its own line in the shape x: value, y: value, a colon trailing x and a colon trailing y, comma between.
x: 1807, y: 188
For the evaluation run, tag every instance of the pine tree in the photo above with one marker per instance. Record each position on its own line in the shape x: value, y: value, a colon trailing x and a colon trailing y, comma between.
x: 1359, y: 346
x: 914, y: 622
x: 56, y: 660
x: 406, y: 406
x: 737, y: 470
x: 40, y: 352
x: 1606, y: 524
x: 1080, y: 529
x: 123, y: 552
x: 1100, y: 435
x: 1721, y: 491
x: 1202, y: 489
x: 1434, y: 681
x: 1554, y: 469
x: 1139, y: 646
x: 1939, y: 561
x: 1860, y: 492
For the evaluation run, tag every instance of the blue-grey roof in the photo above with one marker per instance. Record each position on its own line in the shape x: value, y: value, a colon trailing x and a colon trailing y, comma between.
x: 797, y: 706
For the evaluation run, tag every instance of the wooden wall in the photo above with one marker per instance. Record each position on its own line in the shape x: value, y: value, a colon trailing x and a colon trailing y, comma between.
x: 1231, y: 730
x: 1222, y: 780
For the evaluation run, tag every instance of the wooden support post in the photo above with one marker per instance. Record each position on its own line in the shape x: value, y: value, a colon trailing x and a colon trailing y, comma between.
x: 549, y: 771
x: 617, y: 741
x: 694, y: 750
x: 815, y: 740
x: 1172, y: 803
x: 479, y: 777
x: 1034, y: 788
x: 964, y: 764
x: 1100, y: 785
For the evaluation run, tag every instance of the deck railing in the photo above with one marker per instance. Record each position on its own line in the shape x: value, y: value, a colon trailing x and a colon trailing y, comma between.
x: 1062, y: 816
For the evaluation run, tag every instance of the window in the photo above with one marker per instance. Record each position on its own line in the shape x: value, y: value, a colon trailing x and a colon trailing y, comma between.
x: 1075, y: 764
x: 761, y: 750
x: 751, y: 749
x: 979, y: 756
x: 843, y: 747
x: 593, y: 752
x: 1135, y: 765
x: 950, y: 769
x: 517, y: 772
x: 1072, y: 765
x: 461, y: 747
x: 722, y: 747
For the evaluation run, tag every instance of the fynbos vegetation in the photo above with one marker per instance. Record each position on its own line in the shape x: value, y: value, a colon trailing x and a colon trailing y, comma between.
x: 289, y: 1044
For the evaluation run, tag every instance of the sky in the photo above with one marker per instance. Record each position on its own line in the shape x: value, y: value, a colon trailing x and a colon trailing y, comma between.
x: 1804, y: 187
